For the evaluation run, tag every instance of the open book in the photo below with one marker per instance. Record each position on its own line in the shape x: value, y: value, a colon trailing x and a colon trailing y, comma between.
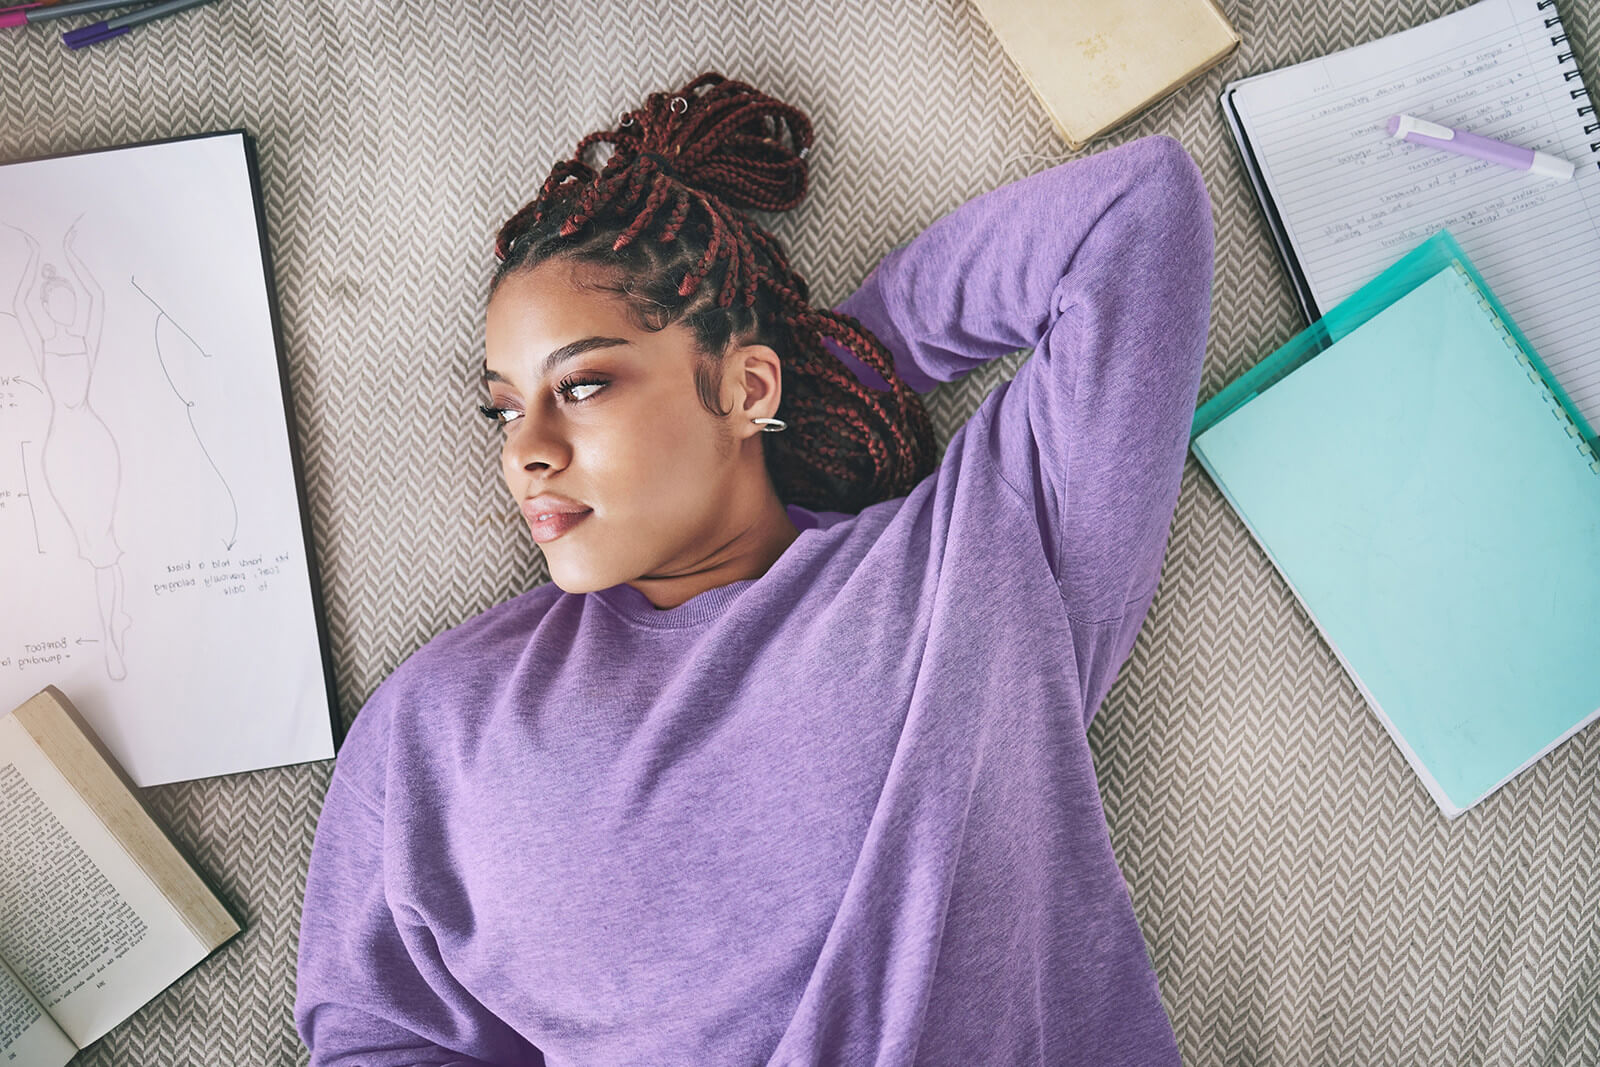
x: 99, y: 911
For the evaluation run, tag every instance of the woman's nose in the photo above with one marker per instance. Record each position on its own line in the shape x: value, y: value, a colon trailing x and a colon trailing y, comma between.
x: 533, y: 444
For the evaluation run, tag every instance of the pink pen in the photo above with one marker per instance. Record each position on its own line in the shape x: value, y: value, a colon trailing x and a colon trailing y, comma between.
x: 15, y: 16
x: 1421, y: 131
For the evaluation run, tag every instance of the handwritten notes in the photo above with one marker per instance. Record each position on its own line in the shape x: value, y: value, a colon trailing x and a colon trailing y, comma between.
x: 1353, y: 199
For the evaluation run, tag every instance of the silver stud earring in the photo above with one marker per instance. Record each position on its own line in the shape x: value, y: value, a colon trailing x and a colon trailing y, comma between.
x: 771, y: 425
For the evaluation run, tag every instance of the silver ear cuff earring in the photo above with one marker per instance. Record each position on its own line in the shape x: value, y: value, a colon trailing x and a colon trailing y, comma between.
x: 771, y: 425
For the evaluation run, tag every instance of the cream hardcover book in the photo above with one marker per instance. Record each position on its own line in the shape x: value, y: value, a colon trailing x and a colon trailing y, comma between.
x: 1096, y: 63
x: 99, y: 911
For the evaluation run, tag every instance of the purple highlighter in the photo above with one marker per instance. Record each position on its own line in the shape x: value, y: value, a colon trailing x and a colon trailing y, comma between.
x: 1421, y: 131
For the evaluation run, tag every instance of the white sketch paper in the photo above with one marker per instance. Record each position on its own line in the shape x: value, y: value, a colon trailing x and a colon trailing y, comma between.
x: 154, y: 563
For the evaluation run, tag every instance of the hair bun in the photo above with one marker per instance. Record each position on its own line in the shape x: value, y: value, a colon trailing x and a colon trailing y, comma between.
x: 718, y: 136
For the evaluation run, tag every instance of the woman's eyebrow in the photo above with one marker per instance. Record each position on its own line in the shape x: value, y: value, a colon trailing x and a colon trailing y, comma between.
x: 564, y: 353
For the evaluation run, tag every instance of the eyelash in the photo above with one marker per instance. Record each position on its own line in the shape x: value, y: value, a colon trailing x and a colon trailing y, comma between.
x: 562, y: 388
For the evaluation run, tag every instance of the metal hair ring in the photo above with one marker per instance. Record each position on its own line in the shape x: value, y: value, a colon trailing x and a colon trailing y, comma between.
x: 627, y: 119
x: 674, y: 105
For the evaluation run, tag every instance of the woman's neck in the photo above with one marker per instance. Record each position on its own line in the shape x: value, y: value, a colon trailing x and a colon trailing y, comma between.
x: 757, y: 542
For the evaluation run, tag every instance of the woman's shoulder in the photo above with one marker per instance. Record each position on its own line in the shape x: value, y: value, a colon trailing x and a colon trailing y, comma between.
x: 469, y: 648
x: 461, y: 658
x: 479, y: 639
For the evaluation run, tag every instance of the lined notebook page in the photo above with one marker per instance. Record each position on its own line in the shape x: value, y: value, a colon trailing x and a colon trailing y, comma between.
x: 1353, y: 199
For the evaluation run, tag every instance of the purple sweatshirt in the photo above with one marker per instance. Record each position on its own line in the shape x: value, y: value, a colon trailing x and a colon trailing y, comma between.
x: 843, y: 813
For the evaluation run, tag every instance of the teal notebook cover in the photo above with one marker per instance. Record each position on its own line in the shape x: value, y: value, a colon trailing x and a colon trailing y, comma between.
x: 1434, y: 503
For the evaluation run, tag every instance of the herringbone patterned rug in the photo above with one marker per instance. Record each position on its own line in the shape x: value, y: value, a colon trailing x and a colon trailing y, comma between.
x: 1303, y: 900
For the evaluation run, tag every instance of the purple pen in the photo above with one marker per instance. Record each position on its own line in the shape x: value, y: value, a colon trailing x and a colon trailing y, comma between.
x: 1421, y: 131
x: 96, y: 32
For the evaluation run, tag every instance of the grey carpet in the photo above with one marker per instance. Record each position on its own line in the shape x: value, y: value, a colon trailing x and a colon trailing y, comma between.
x: 1302, y: 898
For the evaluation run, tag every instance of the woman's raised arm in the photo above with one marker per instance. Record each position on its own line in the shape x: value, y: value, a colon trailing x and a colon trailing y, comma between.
x: 19, y: 302
x: 94, y: 313
x: 1103, y: 267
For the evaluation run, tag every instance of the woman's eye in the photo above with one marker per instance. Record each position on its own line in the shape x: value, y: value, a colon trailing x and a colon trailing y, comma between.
x: 569, y: 387
x: 499, y: 415
x: 574, y: 390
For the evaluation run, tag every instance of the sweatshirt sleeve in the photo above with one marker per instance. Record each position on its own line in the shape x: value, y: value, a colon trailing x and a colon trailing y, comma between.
x: 1103, y: 267
x: 372, y: 989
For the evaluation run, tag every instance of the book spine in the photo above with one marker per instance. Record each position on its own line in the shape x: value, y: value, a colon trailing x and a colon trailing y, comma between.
x: 1556, y: 409
x: 1566, y: 56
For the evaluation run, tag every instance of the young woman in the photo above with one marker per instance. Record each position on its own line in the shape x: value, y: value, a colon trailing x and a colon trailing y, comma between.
x: 787, y: 763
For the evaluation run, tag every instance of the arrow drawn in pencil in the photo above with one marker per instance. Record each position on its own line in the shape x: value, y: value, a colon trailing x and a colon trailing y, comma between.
x: 189, y: 405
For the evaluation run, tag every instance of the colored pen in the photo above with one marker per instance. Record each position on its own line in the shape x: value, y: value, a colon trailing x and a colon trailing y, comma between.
x: 1421, y: 131
x: 104, y: 31
x: 34, y: 3
x: 30, y: 13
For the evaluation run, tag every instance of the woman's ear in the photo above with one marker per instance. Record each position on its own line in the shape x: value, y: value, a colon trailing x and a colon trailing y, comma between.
x: 758, y: 380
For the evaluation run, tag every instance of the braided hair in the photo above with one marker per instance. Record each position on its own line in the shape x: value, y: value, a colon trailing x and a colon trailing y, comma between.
x: 664, y: 214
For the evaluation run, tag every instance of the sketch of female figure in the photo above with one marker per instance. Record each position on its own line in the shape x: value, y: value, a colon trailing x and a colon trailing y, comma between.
x: 82, y: 466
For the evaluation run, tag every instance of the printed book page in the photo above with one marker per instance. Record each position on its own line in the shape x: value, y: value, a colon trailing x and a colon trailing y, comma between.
x: 86, y: 931
x: 1353, y: 199
x: 28, y: 1036
x: 149, y: 516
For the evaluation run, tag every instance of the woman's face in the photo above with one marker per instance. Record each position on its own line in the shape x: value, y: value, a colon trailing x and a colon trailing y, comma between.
x: 616, y: 427
x: 61, y: 303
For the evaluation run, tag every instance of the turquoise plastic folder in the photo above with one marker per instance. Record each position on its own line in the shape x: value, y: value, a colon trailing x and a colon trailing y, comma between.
x: 1433, y: 499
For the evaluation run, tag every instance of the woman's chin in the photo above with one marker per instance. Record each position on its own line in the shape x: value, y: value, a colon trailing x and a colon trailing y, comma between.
x: 578, y: 579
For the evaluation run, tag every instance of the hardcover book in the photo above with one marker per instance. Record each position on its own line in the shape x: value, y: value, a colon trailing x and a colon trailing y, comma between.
x: 99, y: 910
x: 1096, y: 64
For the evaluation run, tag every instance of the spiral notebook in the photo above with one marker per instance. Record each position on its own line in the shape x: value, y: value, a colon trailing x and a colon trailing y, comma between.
x: 1344, y: 199
x: 1433, y: 501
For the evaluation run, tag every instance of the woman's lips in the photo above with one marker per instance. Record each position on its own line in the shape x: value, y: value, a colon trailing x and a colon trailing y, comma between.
x: 557, y: 524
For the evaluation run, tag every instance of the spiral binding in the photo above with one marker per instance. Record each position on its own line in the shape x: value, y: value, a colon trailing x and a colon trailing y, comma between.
x: 1556, y: 408
x: 1586, y: 111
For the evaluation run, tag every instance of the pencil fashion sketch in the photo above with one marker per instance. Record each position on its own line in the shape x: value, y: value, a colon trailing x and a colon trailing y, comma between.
x: 61, y: 317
